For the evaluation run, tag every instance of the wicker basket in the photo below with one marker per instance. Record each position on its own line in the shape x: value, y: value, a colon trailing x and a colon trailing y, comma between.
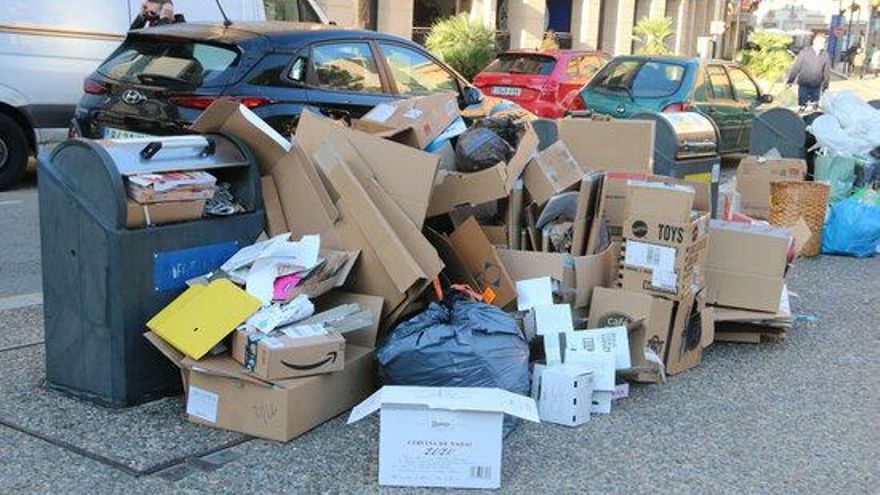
x: 790, y: 201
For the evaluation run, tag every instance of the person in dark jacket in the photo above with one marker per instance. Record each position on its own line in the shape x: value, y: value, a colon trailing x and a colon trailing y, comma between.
x: 156, y: 13
x: 812, y: 71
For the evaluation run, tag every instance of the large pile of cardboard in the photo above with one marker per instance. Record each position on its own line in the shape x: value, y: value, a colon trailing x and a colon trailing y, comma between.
x: 617, y: 274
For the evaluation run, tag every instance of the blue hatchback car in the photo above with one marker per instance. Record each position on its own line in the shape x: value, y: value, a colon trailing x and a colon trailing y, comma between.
x: 722, y: 91
x: 160, y: 79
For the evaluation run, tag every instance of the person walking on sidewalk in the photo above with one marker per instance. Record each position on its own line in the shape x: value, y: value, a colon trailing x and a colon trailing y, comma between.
x: 156, y: 13
x: 812, y: 71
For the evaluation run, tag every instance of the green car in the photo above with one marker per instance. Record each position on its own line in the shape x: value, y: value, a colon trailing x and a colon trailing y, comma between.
x: 722, y: 91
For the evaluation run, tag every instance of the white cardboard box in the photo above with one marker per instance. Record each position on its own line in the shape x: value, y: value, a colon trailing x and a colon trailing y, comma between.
x: 442, y: 436
x: 564, y: 393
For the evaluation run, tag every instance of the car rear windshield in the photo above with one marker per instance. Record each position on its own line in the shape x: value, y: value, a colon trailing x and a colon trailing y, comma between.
x: 164, y: 62
x: 641, y: 78
x: 518, y: 63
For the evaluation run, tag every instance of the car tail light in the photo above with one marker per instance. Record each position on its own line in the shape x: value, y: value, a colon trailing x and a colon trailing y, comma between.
x: 93, y: 87
x: 202, y: 102
x: 577, y: 103
x: 677, y: 107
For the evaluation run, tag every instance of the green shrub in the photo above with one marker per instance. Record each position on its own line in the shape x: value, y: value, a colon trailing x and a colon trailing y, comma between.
x: 769, y: 59
x: 466, y: 46
x: 651, y: 33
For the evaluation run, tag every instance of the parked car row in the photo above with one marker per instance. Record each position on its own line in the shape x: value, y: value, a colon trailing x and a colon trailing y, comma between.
x: 160, y: 79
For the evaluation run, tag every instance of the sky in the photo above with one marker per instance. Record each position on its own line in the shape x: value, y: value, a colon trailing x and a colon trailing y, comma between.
x: 827, y: 7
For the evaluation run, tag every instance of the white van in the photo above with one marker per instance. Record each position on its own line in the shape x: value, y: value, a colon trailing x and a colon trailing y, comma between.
x: 48, y: 48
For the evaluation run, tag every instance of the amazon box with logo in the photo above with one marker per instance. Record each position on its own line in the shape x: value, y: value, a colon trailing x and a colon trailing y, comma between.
x: 746, y: 265
x: 753, y: 178
x: 221, y: 393
x: 298, y: 350
x: 453, y: 188
x: 413, y: 121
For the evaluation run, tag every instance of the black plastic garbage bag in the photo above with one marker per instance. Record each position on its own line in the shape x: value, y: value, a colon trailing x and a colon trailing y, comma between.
x: 459, y: 344
x: 479, y: 148
x: 506, y: 127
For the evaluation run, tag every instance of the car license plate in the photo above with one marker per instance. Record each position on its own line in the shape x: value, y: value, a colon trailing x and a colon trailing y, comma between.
x: 506, y: 91
x: 113, y: 133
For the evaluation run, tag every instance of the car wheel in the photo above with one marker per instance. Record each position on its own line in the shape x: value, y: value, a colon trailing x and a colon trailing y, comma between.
x: 13, y: 152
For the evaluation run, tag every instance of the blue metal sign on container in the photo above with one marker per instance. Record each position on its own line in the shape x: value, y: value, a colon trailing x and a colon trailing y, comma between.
x: 171, y: 269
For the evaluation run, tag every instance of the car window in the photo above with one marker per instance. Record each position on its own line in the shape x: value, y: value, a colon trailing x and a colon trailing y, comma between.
x: 170, y: 62
x: 719, y: 83
x: 583, y: 67
x: 270, y: 71
x: 522, y: 63
x: 346, y: 67
x: 290, y: 10
x: 643, y: 79
x: 657, y: 79
x: 743, y: 87
x: 416, y: 74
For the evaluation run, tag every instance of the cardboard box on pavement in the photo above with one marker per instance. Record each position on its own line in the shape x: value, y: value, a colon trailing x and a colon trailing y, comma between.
x: 442, y: 437
x: 550, y: 172
x: 221, y: 394
x: 746, y: 265
x: 578, y: 275
x: 484, y: 263
x: 564, y: 393
x: 453, y: 189
x: 299, y: 351
x: 610, y: 146
x: 414, y: 121
x: 753, y: 178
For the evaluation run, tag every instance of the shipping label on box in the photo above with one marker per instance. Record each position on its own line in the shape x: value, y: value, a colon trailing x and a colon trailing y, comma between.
x: 443, y: 437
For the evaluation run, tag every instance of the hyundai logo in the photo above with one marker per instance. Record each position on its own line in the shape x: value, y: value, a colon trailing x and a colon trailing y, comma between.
x: 133, y: 97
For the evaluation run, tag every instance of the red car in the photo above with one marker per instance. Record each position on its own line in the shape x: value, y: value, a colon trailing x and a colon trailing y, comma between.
x: 545, y: 83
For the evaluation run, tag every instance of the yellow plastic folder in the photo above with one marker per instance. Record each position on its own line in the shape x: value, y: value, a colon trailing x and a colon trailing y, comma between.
x: 202, y: 316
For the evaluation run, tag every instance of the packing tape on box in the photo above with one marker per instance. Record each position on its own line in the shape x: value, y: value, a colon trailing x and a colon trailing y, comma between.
x: 147, y: 218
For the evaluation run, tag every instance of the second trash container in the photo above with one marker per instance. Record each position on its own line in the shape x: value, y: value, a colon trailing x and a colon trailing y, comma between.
x: 102, y: 280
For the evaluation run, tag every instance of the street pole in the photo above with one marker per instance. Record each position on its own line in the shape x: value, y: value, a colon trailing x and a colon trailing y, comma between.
x: 739, y: 7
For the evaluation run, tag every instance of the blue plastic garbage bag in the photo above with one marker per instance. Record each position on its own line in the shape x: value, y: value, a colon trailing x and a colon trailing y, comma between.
x: 458, y: 343
x: 853, y: 227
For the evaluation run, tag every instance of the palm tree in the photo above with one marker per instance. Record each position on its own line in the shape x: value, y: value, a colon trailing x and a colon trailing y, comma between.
x: 651, y: 34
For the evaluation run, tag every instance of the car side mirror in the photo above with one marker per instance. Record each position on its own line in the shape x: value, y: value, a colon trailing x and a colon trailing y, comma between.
x: 765, y: 98
x: 472, y: 96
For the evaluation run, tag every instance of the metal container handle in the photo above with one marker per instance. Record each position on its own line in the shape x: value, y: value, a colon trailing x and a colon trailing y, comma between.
x: 204, y: 145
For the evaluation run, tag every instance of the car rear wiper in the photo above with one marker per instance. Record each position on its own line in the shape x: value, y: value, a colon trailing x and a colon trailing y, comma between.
x: 626, y: 90
x: 146, y: 78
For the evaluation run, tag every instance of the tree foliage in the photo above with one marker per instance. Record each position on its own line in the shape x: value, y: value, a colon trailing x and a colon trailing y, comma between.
x: 769, y: 57
x: 652, y: 33
x: 467, y: 46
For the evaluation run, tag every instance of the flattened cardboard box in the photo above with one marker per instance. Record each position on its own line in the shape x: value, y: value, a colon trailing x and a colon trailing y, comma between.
x: 578, y: 274
x: 484, y: 263
x: 282, y: 357
x: 611, y: 146
x: 746, y: 265
x: 753, y: 178
x: 142, y: 215
x: 423, y: 118
x: 550, y: 172
x: 453, y: 189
